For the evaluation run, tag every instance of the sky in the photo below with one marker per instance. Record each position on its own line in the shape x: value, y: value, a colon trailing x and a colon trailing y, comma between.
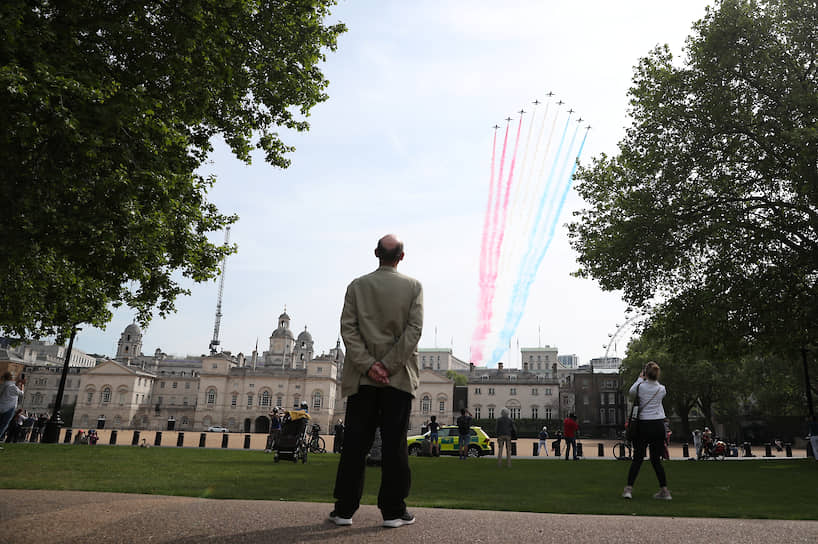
x: 403, y: 145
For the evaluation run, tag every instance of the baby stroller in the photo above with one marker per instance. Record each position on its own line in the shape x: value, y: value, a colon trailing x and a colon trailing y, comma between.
x: 292, y: 442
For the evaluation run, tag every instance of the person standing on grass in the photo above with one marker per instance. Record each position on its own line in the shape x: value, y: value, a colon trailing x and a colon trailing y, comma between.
x: 10, y: 393
x: 338, y: 441
x: 651, y: 429
x: 464, y: 432
x: 505, y: 432
x: 570, y: 428
x: 381, y: 324
x: 434, y: 439
x: 275, y: 430
x: 543, y: 436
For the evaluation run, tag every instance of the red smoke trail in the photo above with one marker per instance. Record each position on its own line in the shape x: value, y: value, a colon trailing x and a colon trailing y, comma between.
x: 495, y: 257
x: 489, y: 229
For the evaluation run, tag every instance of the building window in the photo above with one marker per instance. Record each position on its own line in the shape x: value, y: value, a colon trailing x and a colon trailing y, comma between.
x: 38, y: 399
x: 477, y: 412
x: 162, y: 385
x: 184, y: 401
x: 175, y: 385
x: 185, y: 420
x: 297, y: 401
x: 187, y: 385
x: 319, y: 370
x: 234, y: 400
x: 512, y: 391
x: 491, y: 412
x: 122, y: 398
x: 547, y: 391
x: 279, y: 401
x: 491, y: 390
x: 265, y: 399
x: 484, y: 378
x: 211, y: 397
x: 476, y: 390
x: 534, y: 392
x: 117, y: 421
x: 443, y: 406
x: 90, y: 398
x: 426, y: 404
x: 514, y: 412
x: 316, y: 400
x: 106, y: 395
x: 249, y: 400
x: 534, y: 413
x: 548, y: 413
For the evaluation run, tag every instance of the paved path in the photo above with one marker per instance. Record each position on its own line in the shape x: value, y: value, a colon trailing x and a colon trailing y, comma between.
x: 33, y: 516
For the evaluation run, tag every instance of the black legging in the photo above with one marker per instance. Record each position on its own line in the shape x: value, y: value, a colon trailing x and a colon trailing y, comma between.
x: 651, y: 434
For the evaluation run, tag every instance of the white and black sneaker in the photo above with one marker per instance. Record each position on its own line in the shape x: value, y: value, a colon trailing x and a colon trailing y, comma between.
x: 405, y: 519
x: 338, y: 520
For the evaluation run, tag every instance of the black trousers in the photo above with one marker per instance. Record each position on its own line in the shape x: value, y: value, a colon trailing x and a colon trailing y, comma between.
x: 372, y: 407
x: 651, y: 435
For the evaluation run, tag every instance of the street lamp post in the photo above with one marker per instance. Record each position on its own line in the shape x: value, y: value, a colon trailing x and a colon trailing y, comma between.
x: 51, y: 435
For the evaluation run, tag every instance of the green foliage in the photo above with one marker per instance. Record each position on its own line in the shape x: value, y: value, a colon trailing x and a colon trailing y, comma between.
x: 712, y: 201
x: 459, y: 379
x: 108, y: 109
x: 780, y: 489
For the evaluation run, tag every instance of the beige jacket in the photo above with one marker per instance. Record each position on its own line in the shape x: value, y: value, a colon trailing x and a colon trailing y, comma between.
x: 381, y: 321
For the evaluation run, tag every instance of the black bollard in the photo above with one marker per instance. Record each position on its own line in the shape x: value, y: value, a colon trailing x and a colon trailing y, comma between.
x: 135, y: 439
x: 67, y: 439
x: 556, y: 449
x: 810, y: 453
x: 157, y: 440
x: 534, y: 449
x: 788, y: 449
x: 202, y: 438
x: 748, y: 450
x: 513, y: 448
x: 247, y: 441
x: 768, y: 450
x: 579, y: 449
x: 685, y: 450
x: 621, y: 450
x: 600, y: 450
x: 180, y: 440
x: 112, y: 440
x: 224, y: 440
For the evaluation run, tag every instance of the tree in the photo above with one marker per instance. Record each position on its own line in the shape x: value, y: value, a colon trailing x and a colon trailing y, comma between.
x: 457, y: 378
x: 713, y: 197
x: 108, y: 109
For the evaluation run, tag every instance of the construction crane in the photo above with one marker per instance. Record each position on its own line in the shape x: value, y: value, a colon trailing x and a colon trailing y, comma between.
x: 214, y: 344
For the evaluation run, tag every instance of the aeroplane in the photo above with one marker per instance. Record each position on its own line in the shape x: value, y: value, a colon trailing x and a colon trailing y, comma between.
x: 579, y: 120
x: 560, y: 103
x: 508, y: 119
x: 588, y: 127
x: 571, y: 111
x: 495, y: 127
x: 550, y: 94
x: 536, y: 102
x: 521, y: 112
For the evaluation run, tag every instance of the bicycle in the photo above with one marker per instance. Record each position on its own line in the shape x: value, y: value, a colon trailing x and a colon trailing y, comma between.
x: 622, y: 450
x: 316, y: 443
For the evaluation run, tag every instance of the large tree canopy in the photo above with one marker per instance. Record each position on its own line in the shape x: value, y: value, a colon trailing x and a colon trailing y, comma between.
x: 108, y: 108
x: 712, y: 201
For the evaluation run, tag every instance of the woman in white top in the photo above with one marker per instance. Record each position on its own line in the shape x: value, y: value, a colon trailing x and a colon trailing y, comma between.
x: 651, y: 429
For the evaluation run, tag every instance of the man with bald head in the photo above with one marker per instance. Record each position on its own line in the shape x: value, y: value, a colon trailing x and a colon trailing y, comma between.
x: 381, y: 324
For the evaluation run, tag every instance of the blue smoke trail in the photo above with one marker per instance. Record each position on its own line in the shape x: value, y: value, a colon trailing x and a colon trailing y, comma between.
x: 528, y: 272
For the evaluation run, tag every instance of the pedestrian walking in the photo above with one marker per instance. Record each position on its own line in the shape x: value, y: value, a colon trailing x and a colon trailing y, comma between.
x: 464, y: 432
x: 434, y: 439
x: 10, y: 392
x: 648, y: 392
x: 543, y: 446
x: 505, y: 432
x: 381, y: 324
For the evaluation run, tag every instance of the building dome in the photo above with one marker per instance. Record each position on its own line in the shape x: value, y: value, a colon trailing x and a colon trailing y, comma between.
x: 133, y: 328
x: 305, y: 336
x: 283, y: 317
x: 282, y: 332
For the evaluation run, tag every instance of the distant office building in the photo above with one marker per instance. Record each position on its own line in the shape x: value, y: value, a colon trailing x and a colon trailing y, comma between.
x: 538, y: 360
x: 606, y: 363
x: 568, y: 361
x: 440, y: 359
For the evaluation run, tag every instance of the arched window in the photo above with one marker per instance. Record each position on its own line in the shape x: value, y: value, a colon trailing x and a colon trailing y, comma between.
x: 279, y: 401
x: 211, y: 397
x: 316, y: 400
x: 265, y: 399
x: 106, y: 395
x: 426, y: 404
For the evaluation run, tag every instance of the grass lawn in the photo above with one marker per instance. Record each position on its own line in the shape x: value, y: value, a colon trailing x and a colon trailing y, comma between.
x: 779, y: 489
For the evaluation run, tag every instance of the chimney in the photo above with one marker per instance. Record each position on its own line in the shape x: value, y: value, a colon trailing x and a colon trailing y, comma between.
x: 471, y: 368
x: 500, y: 366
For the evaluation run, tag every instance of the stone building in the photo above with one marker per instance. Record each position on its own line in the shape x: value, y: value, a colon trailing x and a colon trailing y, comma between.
x: 526, y: 394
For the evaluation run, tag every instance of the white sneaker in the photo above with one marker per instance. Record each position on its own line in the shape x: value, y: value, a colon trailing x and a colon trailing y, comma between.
x: 405, y: 519
x: 338, y: 520
x: 627, y: 493
x: 663, y: 495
